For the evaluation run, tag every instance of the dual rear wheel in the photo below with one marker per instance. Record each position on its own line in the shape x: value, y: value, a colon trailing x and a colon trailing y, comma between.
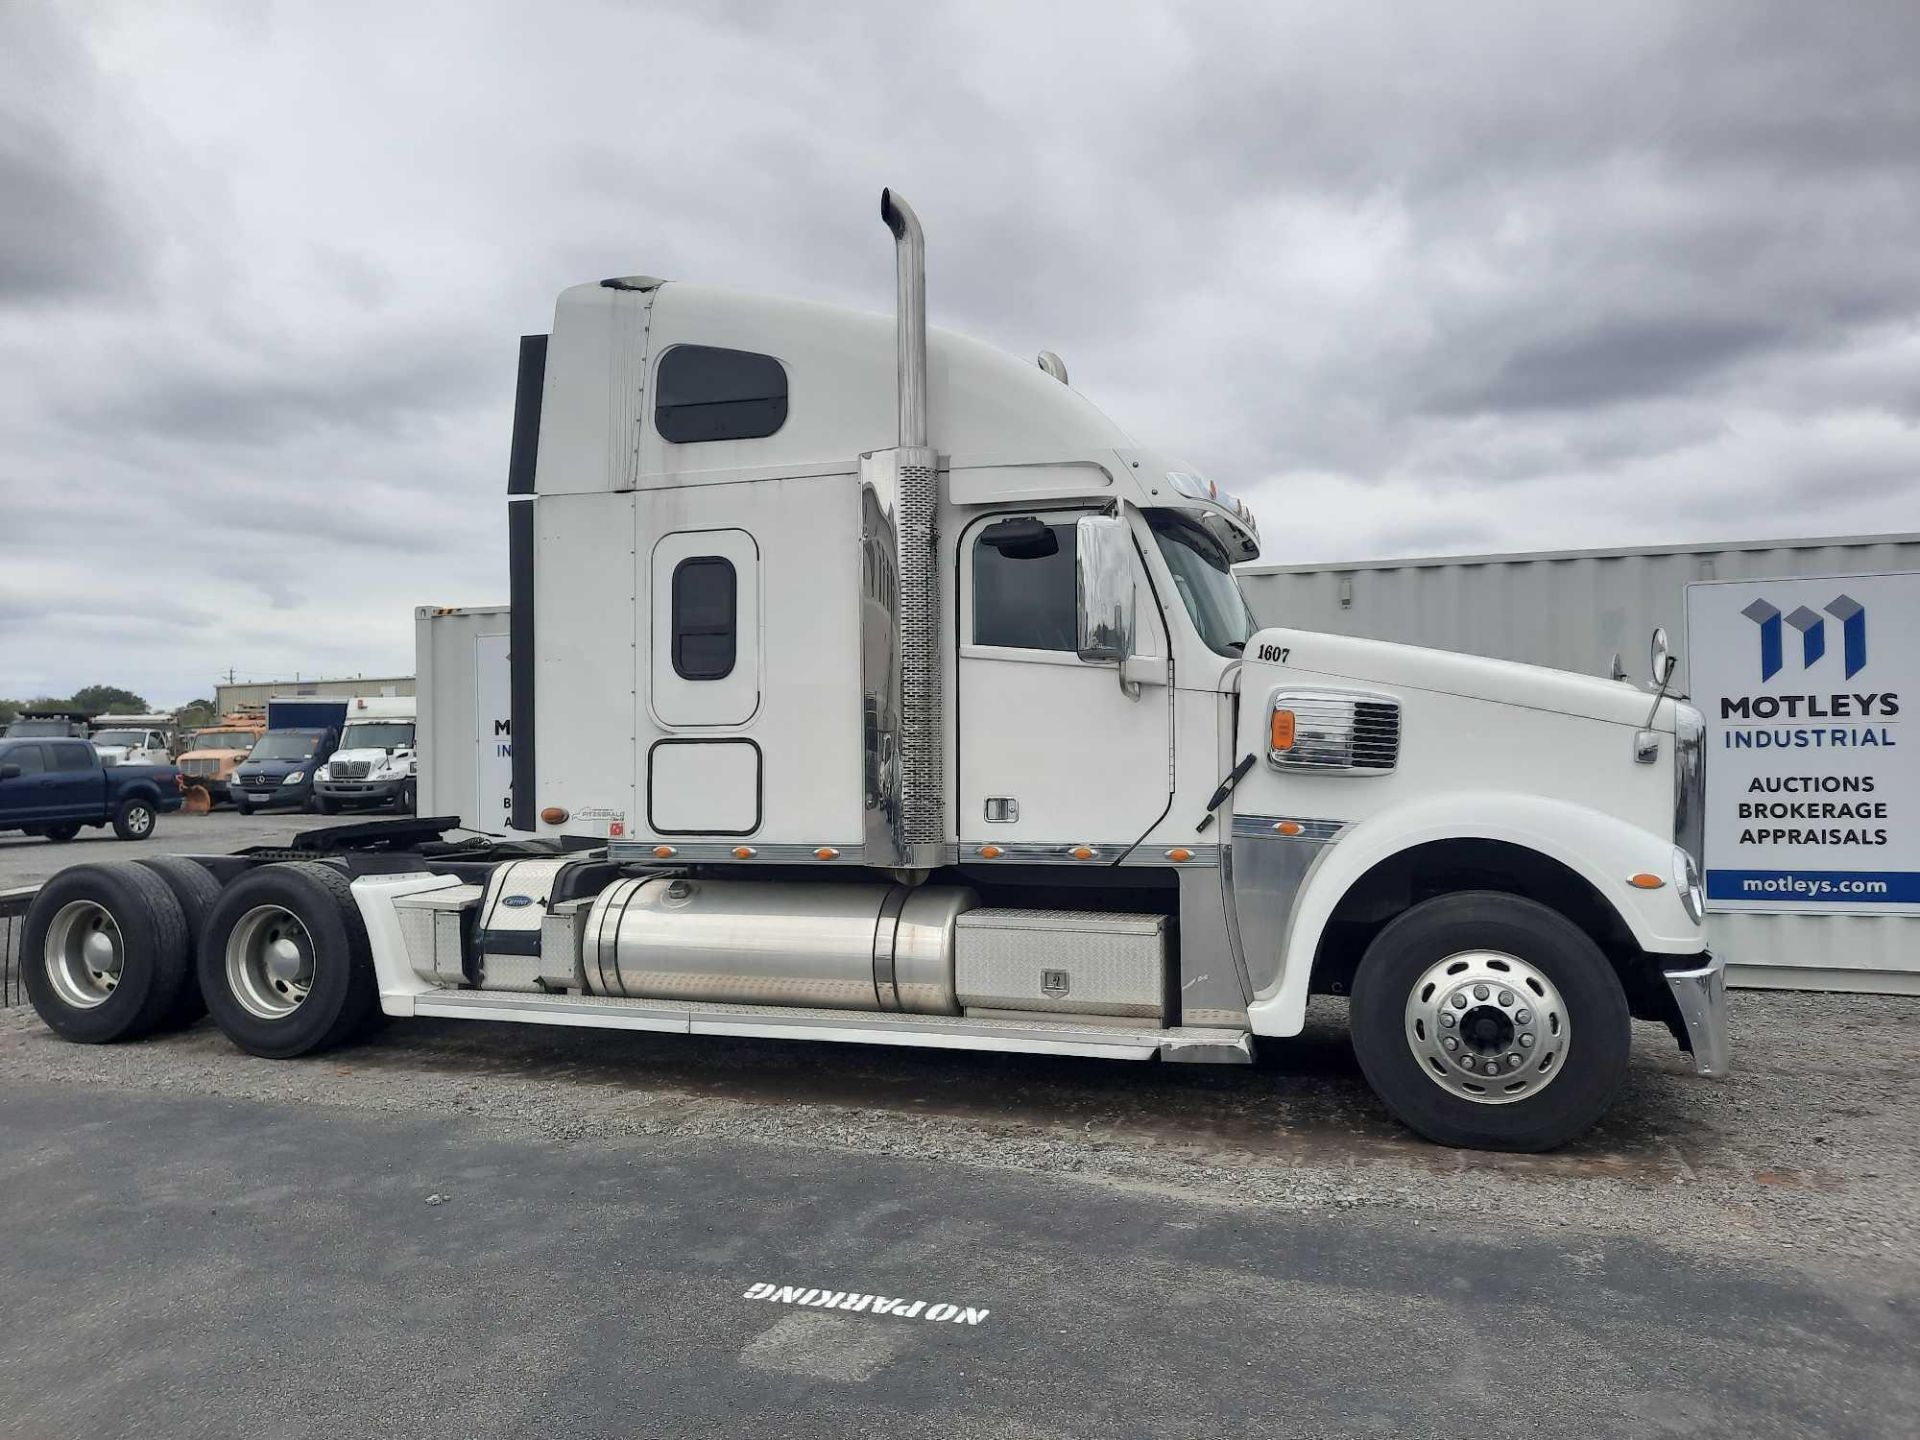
x: 279, y: 957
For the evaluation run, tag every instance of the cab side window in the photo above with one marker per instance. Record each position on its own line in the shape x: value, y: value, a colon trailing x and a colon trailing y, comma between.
x: 706, y: 393
x: 27, y: 757
x: 72, y: 755
x: 705, y: 617
x: 1024, y: 596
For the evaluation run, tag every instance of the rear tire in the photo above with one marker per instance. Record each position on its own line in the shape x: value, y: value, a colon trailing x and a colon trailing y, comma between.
x: 1464, y: 969
x: 135, y: 818
x: 104, y: 952
x: 196, y: 891
x: 61, y: 834
x: 284, y: 961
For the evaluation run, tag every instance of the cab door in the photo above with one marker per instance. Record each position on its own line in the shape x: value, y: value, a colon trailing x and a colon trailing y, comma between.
x: 1055, y: 754
x: 25, y: 798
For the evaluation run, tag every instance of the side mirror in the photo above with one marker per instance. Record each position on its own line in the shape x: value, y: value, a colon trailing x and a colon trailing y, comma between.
x: 9, y: 771
x: 1103, y: 574
x: 1663, y: 658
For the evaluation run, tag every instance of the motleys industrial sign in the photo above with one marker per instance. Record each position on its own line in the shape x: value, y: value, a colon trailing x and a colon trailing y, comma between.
x: 1813, y: 784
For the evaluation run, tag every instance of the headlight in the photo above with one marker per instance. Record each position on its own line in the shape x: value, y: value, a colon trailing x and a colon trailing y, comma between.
x: 1686, y: 879
x: 323, y: 773
x: 295, y: 778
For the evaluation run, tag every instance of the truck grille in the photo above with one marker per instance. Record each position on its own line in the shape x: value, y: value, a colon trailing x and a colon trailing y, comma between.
x: 348, y: 769
x: 199, y: 767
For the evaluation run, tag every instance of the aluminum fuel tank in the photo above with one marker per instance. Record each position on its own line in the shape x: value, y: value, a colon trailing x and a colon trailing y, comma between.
x: 844, y: 947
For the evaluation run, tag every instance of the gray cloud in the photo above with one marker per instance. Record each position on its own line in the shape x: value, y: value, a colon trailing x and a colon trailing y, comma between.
x: 1414, y: 279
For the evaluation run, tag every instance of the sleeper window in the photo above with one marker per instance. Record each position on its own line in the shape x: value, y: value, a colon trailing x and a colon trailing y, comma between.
x: 704, y: 393
x: 1026, y: 602
x: 705, y: 617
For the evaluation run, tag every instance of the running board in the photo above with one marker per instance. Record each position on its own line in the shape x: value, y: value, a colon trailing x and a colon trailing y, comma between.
x: 781, y: 1022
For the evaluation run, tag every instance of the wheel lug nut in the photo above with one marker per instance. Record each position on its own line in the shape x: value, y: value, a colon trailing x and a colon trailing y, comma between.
x: 1506, y: 997
x: 1449, y: 1042
x: 1521, y: 1017
x: 1526, y: 1040
x: 1479, y: 992
x: 1459, y: 1002
x: 1446, y: 1018
x: 1513, y: 1062
x: 1466, y: 1062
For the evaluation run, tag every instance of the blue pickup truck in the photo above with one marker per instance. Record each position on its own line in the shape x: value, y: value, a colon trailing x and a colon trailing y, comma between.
x: 53, y: 787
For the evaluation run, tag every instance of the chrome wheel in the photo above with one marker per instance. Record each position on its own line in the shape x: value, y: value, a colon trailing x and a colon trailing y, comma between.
x: 84, y: 954
x: 270, y: 962
x: 139, y: 820
x: 1488, y: 1027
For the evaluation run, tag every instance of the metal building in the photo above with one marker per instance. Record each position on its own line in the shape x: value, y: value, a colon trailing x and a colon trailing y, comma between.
x: 230, y: 697
x: 1577, y: 610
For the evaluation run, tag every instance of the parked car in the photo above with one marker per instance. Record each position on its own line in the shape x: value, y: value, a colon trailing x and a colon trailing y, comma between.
x: 375, y: 763
x: 73, y: 724
x: 213, y: 754
x: 279, y: 771
x: 132, y: 745
x: 56, y: 786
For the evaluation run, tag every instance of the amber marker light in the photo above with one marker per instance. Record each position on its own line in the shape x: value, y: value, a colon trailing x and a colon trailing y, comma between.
x: 663, y: 852
x: 554, y: 815
x: 1179, y: 855
x: 1081, y: 852
x: 1288, y: 827
x: 1644, y: 881
x: 743, y: 852
x: 991, y: 852
x: 826, y: 852
x: 1281, y: 736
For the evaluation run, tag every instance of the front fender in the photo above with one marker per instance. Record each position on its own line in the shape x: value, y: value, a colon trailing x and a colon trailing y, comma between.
x: 1602, y: 849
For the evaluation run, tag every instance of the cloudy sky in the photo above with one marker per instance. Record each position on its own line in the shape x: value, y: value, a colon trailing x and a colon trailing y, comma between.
x: 1415, y: 278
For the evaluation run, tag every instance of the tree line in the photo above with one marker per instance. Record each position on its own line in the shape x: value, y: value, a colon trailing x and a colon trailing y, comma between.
x: 109, y: 700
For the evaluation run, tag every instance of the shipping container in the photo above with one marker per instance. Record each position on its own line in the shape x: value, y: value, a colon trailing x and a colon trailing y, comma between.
x: 1577, y: 610
x: 466, y: 741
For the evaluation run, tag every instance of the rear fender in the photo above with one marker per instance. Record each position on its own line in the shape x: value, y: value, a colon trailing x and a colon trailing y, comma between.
x: 1602, y: 849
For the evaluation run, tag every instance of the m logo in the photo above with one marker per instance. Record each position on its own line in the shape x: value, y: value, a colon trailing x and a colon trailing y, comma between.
x: 1851, y: 614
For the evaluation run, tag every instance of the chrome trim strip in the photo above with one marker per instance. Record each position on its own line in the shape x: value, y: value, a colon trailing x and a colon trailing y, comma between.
x: 1690, y: 782
x: 1105, y: 852
x: 1267, y: 827
x: 1701, y: 995
x: 701, y: 852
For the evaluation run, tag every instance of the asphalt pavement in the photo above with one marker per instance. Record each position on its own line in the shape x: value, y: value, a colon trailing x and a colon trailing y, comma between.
x: 186, y: 1266
x: 29, y: 859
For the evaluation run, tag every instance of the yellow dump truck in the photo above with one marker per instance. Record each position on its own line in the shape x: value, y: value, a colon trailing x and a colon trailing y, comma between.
x: 212, y: 754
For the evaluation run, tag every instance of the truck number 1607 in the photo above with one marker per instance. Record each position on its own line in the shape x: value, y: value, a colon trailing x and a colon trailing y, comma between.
x: 1276, y: 653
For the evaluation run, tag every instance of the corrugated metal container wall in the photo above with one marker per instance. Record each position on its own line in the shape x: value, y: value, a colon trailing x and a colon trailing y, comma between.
x: 465, y: 760
x: 1575, y: 610
x: 1571, y: 609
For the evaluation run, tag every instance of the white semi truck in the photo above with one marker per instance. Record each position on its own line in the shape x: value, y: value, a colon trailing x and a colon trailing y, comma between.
x: 872, y: 686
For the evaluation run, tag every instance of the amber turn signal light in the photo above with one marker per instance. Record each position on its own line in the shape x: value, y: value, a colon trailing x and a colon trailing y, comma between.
x: 554, y: 815
x: 1644, y: 881
x: 1288, y: 827
x: 1282, y: 730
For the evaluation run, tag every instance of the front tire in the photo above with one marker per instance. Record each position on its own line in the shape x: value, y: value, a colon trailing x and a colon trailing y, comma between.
x: 1489, y: 1021
x: 61, y: 834
x: 284, y: 962
x: 405, y: 801
x: 243, y: 807
x: 104, y: 952
x: 134, y: 820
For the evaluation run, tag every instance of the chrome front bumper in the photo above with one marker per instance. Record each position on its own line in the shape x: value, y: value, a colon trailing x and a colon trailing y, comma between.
x: 1701, y: 996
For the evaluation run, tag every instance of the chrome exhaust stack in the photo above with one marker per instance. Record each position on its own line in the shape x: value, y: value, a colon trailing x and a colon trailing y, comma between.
x: 903, y: 780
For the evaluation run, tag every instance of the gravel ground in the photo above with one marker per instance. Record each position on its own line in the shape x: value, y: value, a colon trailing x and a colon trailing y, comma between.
x: 1810, y: 1153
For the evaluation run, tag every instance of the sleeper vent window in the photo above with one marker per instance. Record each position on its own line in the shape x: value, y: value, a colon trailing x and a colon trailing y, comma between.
x: 705, y: 618
x: 702, y: 393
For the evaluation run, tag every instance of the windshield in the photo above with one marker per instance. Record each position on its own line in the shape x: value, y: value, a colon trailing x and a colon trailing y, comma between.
x: 135, y: 738
x: 224, y: 740
x: 1204, y: 577
x: 286, y: 745
x: 377, y: 735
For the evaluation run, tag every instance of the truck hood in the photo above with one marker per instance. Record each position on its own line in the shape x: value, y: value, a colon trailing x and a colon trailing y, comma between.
x: 1505, y: 682
x: 374, y: 757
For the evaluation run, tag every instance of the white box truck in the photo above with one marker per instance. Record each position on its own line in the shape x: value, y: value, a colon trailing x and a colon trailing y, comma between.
x: 872, y: 686
x: 375, y: 762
